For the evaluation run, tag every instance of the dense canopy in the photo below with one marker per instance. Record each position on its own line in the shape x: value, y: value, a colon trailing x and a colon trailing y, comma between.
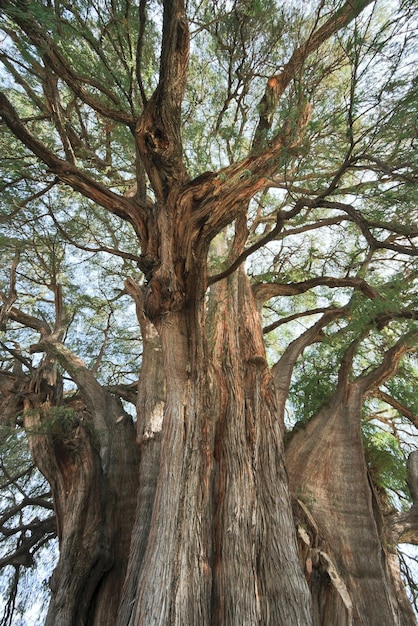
x: 208, y: 311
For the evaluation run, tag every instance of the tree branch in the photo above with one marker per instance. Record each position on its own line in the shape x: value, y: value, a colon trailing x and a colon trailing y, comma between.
x: 282, y: 370
x: 99, y: 248
x: 128, y: 392
x: 126, y: 208
x: 389, y: 364
x: 363, y: 224
x: 264, y: 291
x: 31, y: 198
x: 39, y: 501
x: 404, y: 526
x: 241, y: 258
x: 395, y: 404
x: 139, y: 48
x: 278, y: 83
x: 23, y: 555
x: 291, y: 318
x: 56, y: 62
x: 76, y: 368
x: 27, y: 320
x: 10, y: 299
x: 158, y: 130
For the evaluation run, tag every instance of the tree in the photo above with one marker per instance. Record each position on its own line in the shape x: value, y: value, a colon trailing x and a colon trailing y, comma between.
x: 227, y: 166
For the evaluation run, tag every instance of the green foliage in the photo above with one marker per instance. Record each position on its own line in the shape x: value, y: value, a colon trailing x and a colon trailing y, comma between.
x: 385, y: 458
x: 58, y: 420
x: 346, y: 197
x: 314, y: 380
x: 403, y: 386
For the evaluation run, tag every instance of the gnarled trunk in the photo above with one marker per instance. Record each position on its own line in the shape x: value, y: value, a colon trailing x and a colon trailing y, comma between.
x: 352, y: 573
x: 150, y: 414
x: 221, y: 547
x: 256, y: 572
x: 94, y: 488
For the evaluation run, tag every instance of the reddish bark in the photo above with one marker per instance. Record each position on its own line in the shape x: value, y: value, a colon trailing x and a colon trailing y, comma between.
x: 94, y: 494
x: 343, y: 537
x: 213, y: 539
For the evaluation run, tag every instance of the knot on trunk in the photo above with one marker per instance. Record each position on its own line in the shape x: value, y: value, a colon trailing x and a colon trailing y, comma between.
x: 163, y: 295
x: 148, y: 263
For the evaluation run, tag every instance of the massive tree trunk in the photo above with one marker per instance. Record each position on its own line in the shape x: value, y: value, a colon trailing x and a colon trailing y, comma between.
x: 220, y: 546
x: 351, y: 567
x: 213, y: 538
x: 87, y: 452
x: 256, y: 573
x: 150, y: 415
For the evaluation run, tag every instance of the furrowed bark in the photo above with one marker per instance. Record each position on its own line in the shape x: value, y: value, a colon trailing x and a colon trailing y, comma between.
x: 221, y: 546
x: 254, y: 541
x: 150, y: 413
x: 87, y: 452
x: 349, y: 569
x: 158, y: 129
x: 174, y: 585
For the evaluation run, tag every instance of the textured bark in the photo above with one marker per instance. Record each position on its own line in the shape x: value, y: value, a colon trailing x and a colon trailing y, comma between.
x: 343, y: 537
x: 174, y: 585
x: 213, y: 540
x: 94, y: 493
x: 150, y: 413
x: 256, y: 573
x: 221, y: 547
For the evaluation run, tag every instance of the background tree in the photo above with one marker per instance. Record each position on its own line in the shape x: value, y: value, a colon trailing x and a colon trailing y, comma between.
x: 219, y: 197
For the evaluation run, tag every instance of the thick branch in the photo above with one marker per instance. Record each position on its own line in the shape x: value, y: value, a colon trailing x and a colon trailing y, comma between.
x: 93, y: 394
x: 282, y: 370
x: 363, y: 224
x: 9, y: 300
x: 175, y: 54
x: 159, y: 128
x: 265, y: 291
x: 23, y: 555
x: 18, y: 508
x: 68, y: 173
x: 128, y: 392
x: 389, y: 364
x: 278, y: 83
x: 139, y: 48
x: 27, y: 320
x: 77, y: 369
x: 224, y: 196
x: 395, y: 404
x: 404, y: 526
